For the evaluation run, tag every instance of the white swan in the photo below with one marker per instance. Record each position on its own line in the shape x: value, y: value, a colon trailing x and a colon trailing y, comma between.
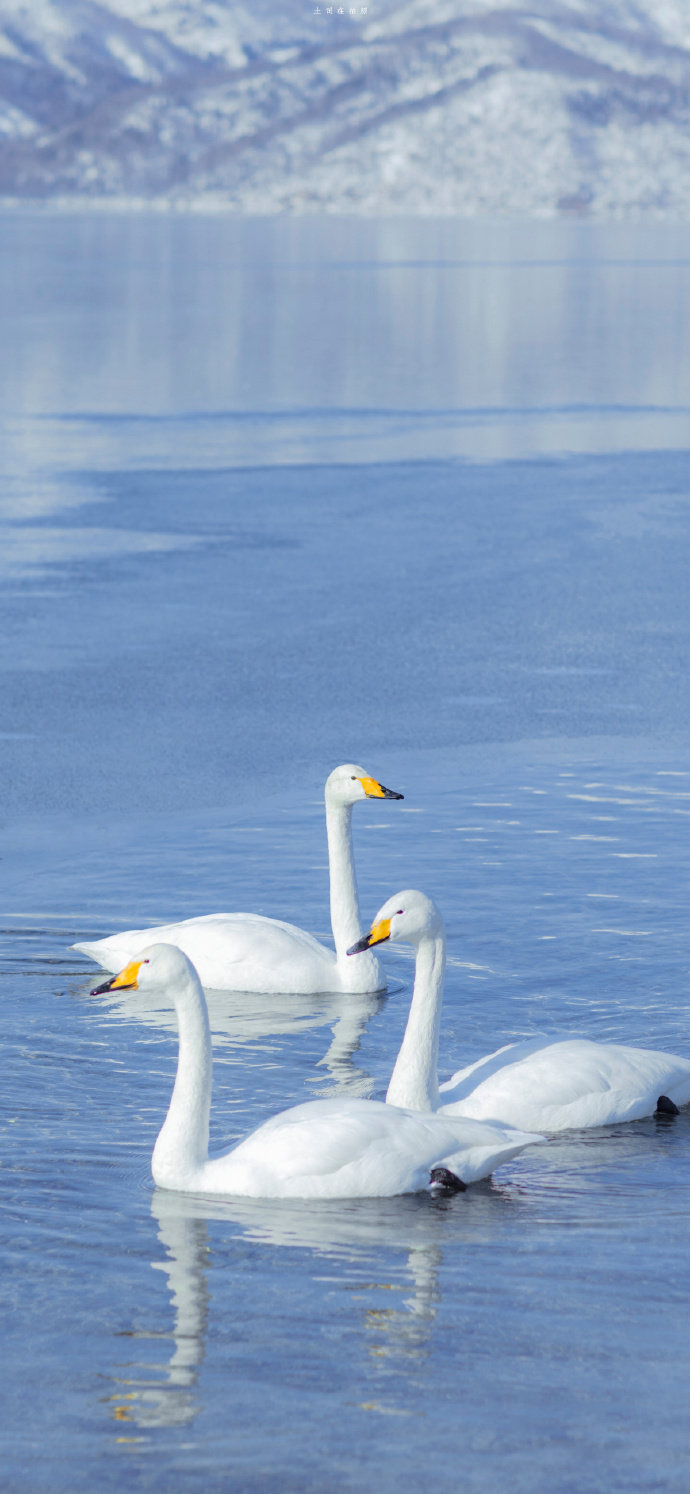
x: 536, y: 1085
x: 247, y: 952
x: 339, y: 1148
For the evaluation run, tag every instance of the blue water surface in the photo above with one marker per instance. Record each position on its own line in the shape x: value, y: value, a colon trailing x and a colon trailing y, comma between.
x: 276, y: 494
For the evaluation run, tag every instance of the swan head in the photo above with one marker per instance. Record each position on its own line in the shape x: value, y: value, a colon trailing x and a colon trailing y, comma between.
x: 159, y: 967
x: 349, y: 783
x: 409, y: 916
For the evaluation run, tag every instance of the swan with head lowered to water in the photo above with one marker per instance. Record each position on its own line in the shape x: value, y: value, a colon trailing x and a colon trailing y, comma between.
x: 538, y: 1085
x: 333, y: 1148
x: 248, y: 952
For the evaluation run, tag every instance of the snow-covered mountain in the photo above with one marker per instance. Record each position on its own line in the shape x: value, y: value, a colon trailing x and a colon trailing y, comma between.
x: 415, y: 106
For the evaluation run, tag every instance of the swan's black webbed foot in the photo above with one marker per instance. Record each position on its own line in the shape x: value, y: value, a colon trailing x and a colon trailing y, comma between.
x: 442, y: 1180
x: 666, y: 1107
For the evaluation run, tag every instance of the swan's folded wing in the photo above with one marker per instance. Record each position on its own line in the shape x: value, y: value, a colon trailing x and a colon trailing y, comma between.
x: 566, y: 1085
x: 238, y: 951
x: 362, y: 1148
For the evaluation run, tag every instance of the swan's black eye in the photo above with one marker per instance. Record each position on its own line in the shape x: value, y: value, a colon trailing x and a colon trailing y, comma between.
x: 400, y: 910
x: 147, y: 962
x: 353, y: 777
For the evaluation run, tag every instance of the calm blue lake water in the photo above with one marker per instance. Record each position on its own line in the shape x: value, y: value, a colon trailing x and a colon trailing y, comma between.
x: 274, y: 495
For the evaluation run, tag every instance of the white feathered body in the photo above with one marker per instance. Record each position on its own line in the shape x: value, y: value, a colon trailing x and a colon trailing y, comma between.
x: 239, y: 952
x: 347, y: 1148
x: 558, y: 1086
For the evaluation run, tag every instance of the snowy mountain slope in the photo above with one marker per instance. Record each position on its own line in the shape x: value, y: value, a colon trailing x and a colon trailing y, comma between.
x: 426, y: 106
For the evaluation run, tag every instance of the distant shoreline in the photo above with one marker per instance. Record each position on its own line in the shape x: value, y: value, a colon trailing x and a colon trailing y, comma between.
x: 214, y: 205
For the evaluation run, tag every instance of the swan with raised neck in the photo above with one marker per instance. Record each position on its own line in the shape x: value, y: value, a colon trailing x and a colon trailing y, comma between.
x: 333, y: 1148
x: 249, y: 952
x: 412, y: 917
x: 537, y: 1085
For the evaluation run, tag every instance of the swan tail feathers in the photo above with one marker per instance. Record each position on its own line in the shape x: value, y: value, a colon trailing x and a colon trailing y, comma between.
x: 479, y: 1161
x: 107, y: 959
x: 111, y: 953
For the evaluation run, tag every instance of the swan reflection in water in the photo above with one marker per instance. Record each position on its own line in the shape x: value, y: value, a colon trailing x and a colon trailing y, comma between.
x: 167, y: 1397
x: 569, y: 1179
x: 350, y: 1233
x: 237, y: 1018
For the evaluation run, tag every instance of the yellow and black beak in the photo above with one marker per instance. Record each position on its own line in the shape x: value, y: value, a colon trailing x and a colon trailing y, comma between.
x: 375, y: 790
x: 125, y: 981
x: 377, y: 934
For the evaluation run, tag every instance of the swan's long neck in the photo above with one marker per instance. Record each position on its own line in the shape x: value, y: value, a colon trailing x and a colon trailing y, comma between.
x: 341, y: 865
x: 182, y: 1146
x: 362, y: 973
x: 414, y: 1081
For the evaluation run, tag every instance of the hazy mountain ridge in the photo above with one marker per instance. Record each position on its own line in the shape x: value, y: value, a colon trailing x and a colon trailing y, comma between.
x: 434, y: 107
